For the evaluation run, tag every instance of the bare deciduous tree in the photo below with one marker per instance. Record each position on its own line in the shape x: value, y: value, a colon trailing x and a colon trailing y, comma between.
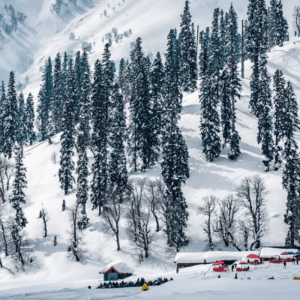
x: 208, y: 209
x: 296, y: 20
x: 226, y: 222
x: 252, y: 196
x: 112, y: 212
x: 75, y: 240
x: 6, y: 172
x: 154, y: 199
x: 44, y: 216
x: 139, y: 218
x: 135, y: 203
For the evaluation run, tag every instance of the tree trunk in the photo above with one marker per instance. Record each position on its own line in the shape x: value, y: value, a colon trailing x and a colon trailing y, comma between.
x: 64, y: 205
x: 45, y: 225
x: 157, y: 222
x: 4, y: 239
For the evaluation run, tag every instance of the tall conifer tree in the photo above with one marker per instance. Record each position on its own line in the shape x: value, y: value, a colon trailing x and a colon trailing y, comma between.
x: 30, y: 118
x: 68, y: 136
x: 9, y: 117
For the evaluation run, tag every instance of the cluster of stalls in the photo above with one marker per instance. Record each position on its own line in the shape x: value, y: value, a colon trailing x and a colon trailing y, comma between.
x: 239, y: 261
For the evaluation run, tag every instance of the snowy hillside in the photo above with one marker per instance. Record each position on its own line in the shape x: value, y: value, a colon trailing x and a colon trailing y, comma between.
x: 44, y: 34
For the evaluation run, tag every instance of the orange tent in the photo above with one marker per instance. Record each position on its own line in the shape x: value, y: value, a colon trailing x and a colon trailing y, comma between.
x: 145, y: 287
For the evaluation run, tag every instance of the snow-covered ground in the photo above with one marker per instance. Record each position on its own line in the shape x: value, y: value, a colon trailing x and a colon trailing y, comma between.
x: 62, y: 278
x: 192, y: 283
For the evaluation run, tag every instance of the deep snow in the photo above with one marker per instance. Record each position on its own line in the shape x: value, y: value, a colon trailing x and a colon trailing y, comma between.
x: 52, y: 270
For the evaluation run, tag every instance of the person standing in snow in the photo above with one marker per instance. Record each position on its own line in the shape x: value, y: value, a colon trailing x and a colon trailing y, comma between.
x: 284, y: 264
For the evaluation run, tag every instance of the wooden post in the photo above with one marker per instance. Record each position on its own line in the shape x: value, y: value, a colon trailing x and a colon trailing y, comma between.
x: 55, y: 240
x: 243, y: 54
x: 64, y: 205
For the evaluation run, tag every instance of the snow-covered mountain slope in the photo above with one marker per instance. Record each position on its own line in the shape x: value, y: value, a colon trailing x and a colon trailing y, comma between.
x: 219, y: 178
x: 45, y: 33
x: 152, y: 22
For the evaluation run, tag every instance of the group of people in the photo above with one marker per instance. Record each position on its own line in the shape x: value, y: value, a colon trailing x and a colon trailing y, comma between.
x: 139, y: 282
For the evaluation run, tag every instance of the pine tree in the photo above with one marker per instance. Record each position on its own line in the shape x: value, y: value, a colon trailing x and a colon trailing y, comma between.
x: 234, y: 84
x: 30, y: 117
x: 78, y: 79
x: 9, y: 117
x: 291, y: 121
x: 2, y: 105
x: 121, y: 80
x: 45, y: 102
x: 188, y: 55
x: 290, y: 182
x: 85, y: 101
x: 222, y: 35
x: 68, y: 136
x: 82, y: 179
x: 282, y: 33
x: 22, y: 122
x: 279, y: 103
x: 140, y: 130
x: 117, y: 164
x: 210, y: 122
x: 58, y: 95
x: 272, y: 23
x: 100, y: 106
x: 18, y: 196
x: 226, y: 108
x: 256, y: 46
x: 265, y: 120
x: 215, y: 61
x: 291, y: 173
x: 174, y: 166
x: 156, y: 94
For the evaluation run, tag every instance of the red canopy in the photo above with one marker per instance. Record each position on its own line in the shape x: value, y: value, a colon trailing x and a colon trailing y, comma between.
x: 219, y: 262
x: 253, y: 256
x: 283, y: 253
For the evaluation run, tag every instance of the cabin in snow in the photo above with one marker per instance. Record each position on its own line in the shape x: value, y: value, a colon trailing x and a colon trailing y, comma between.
x: 115, y: 272
x: 184, y: 260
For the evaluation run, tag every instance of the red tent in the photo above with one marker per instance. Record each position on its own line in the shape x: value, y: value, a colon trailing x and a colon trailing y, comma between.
x: 253, y: 256
x: 283, y: 253
x: 219, y: 262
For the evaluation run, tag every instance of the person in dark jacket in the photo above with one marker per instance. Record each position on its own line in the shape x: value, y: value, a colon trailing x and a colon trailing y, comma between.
x: 284, y: 264
x: 232, y: 268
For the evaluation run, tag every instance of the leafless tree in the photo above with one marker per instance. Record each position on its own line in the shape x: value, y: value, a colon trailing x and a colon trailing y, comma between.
x: 252, y: 194
x: 226, y: 222
x: 4, y: 240
x: 244, y: 232
x: 6, y: 172
x: 113, y: 211
x: 75, y: 240
x: 208, y: 209
x: 139, y: 218
x: 135, y: 200
x: 20, y: 248
x: 164, y: 209
x: 154, y: 199
x: 296, y: 20
x: 44, y: 215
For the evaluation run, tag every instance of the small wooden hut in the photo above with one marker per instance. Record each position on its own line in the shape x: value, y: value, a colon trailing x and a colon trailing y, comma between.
x: 112, y: 274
